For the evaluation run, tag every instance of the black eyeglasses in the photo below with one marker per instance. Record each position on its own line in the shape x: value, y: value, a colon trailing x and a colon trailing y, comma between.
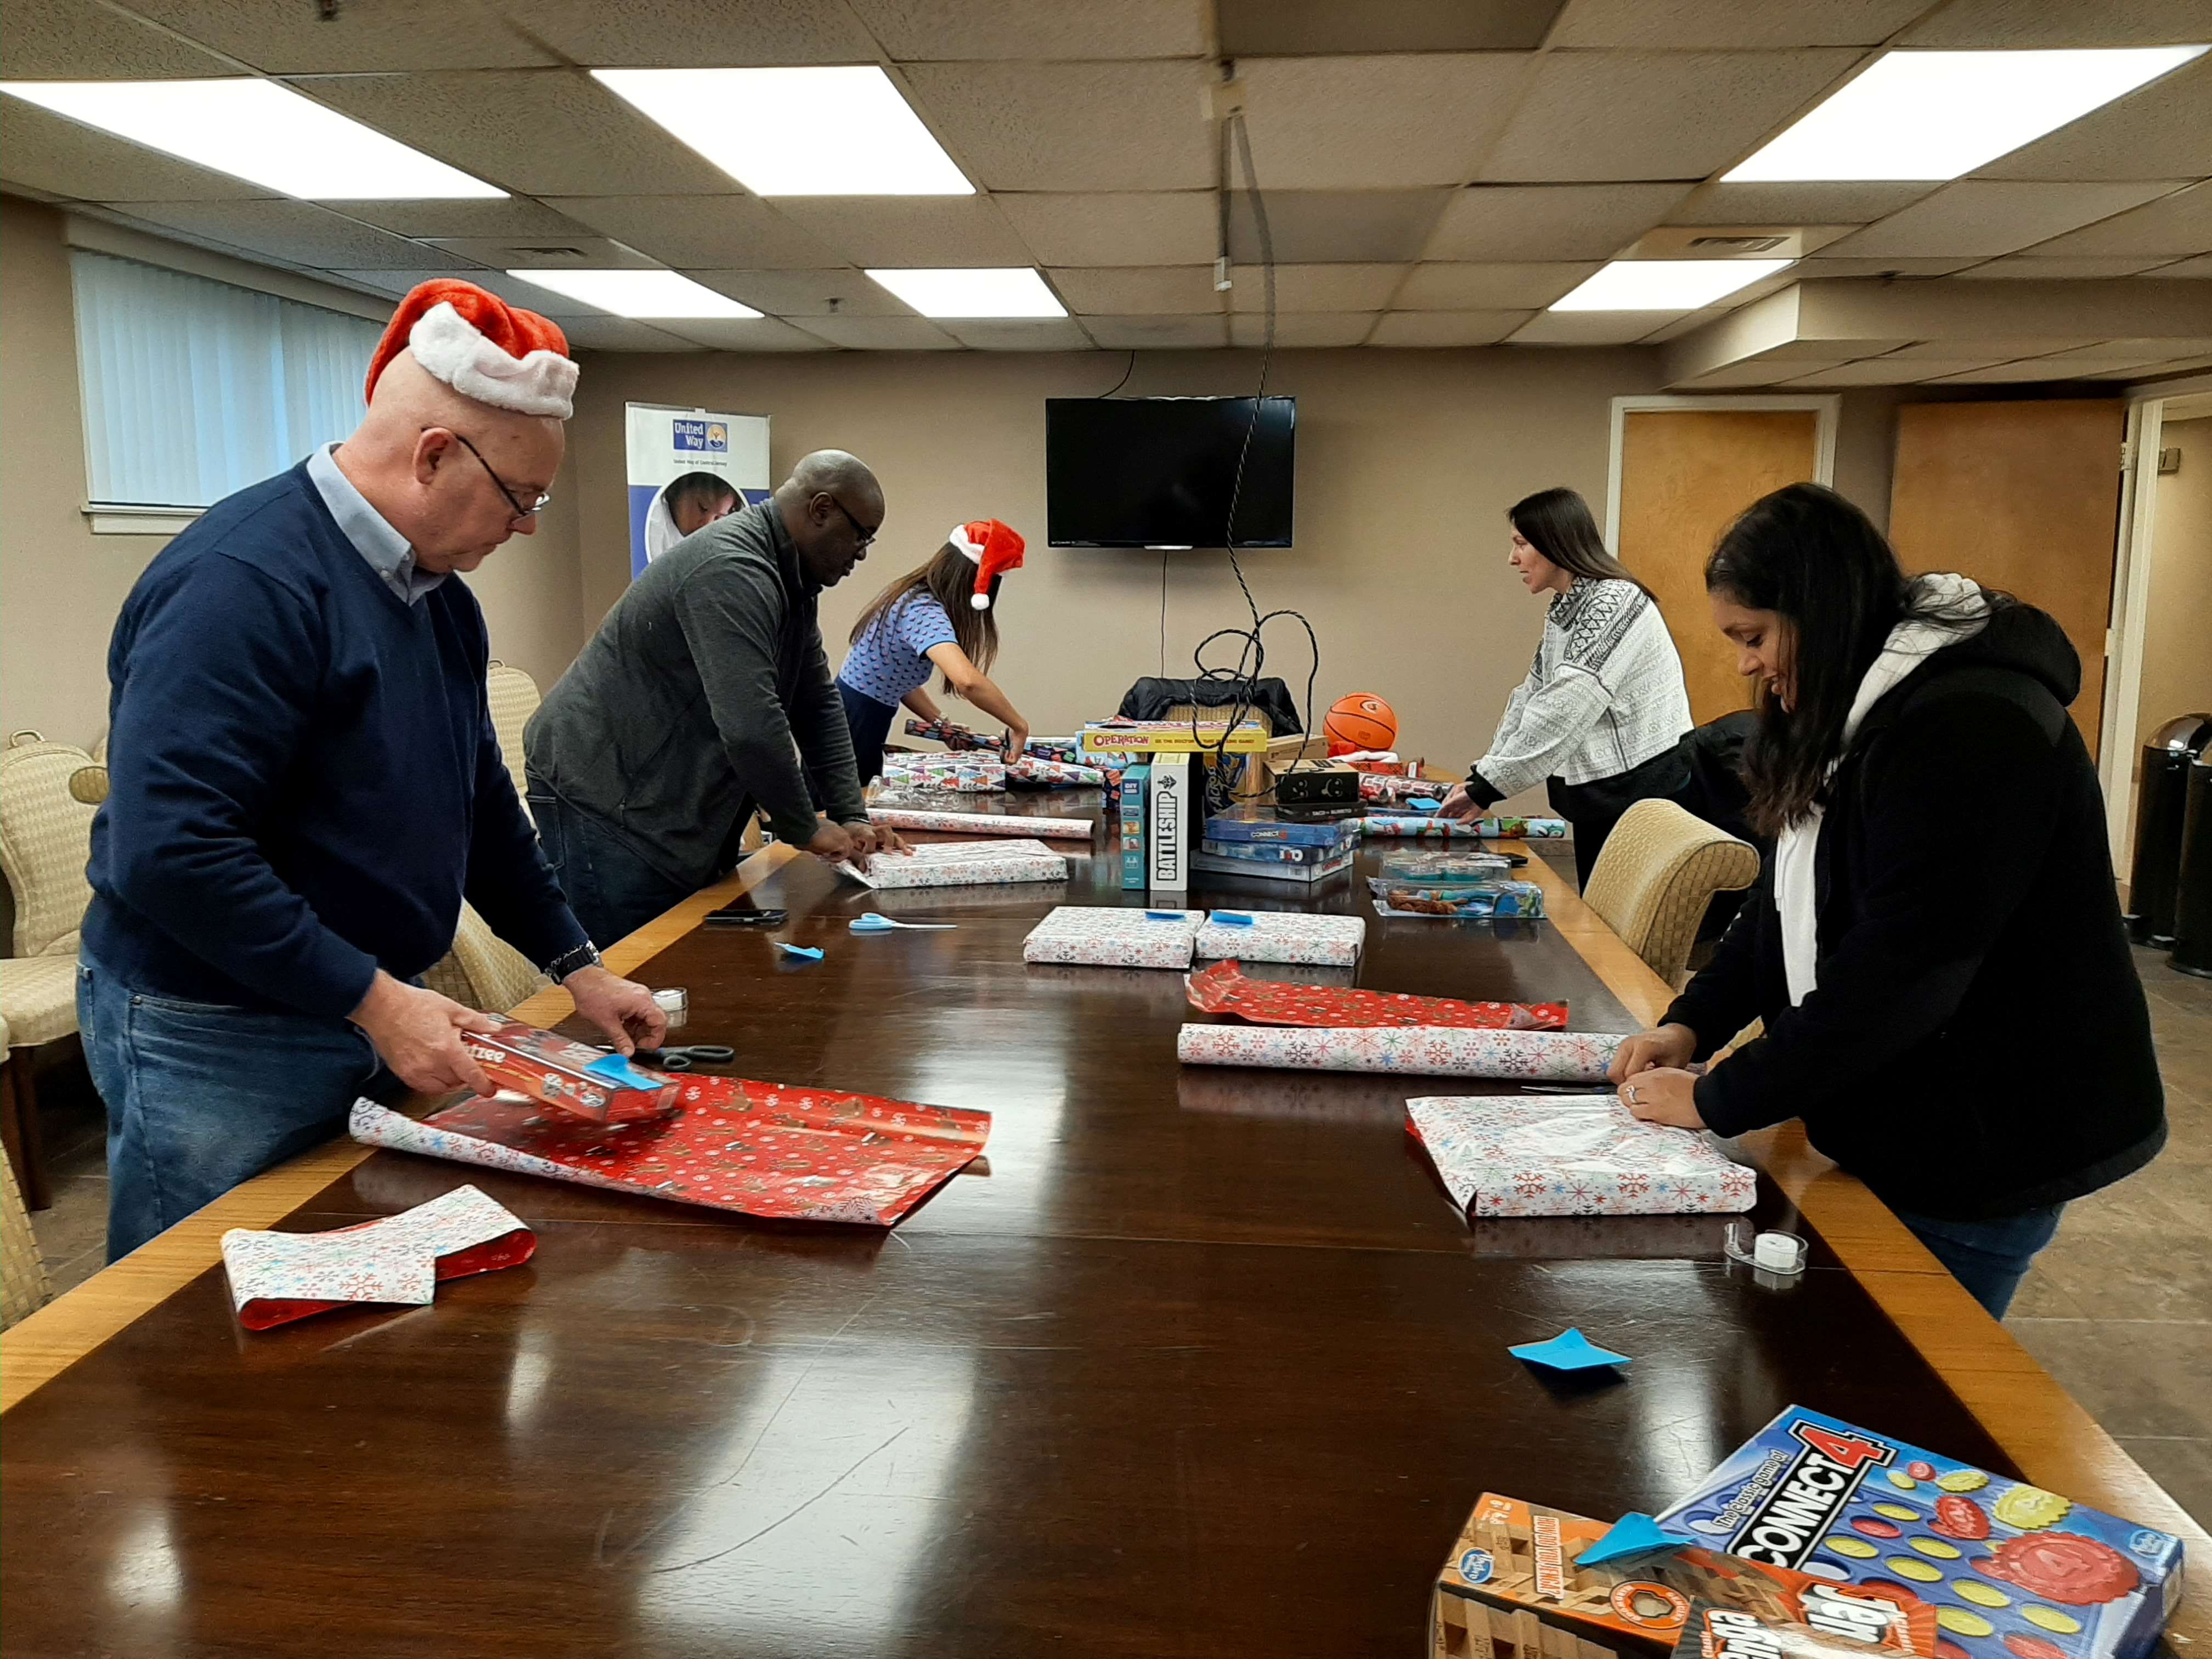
x: 499, y: 483
x: 867, y: 533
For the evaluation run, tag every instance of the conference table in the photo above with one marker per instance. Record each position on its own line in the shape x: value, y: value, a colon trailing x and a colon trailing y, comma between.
x: 1192, y: 1361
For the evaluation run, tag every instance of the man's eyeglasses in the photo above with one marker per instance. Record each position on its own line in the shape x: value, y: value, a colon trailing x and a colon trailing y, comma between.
x: 865, y: 533
x: 499, y: 483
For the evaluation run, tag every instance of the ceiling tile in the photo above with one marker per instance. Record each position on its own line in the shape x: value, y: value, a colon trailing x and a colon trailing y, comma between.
x: 1981, y: 216
x: 1315, y: 287
x: 1587, y: 328
x: 656, y: 34
x: 621, y: 334
x: 1821, y: 353
x: 1138, y: 291
x: 905, y: 231
x: 283, y: 37
x: 1873, y: 371
x: 1549, y: 222
x: 1733, y: 375
x: 835, y: 292
x: 1019, y: 334
x: 1817, y: 203
x: 1664, y: 328
x: 2184, y: 269
x: 510, y: 218
x: 2162, y: 130
x: 935, y: 31
x: 2020, y: 265
x: 1152, y: 334
x: 1322, y: 226
x: 1376, y: 123
x: 1295, y: 29
x: 50, y: 153
x: 1116, y: 228
x: 542, y: 300
x: 2177, y: 225
x: 1446, y: 328
x: 883, y: 333
x: 1442, y: 287
x: 577, y: 250
x: 1732, y: 25
x: 543, y: 132
x: 299, y: 232
x: 83, y: 40
x: 1997, y: 373
x: 1994, y: 23
x: 1655, y: 115
x: 1992, y: 350
x: 1072, y: 126
x: 1304, y: 330
x: 743, y: 334
x: 2115, y: 354
x: 1818, y: 266
x: 716, y: 231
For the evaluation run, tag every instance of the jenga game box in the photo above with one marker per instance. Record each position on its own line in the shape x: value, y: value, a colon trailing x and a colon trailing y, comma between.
x: 2013, y: 1571
x: 1520, y: 1561
x: 570, y: 1076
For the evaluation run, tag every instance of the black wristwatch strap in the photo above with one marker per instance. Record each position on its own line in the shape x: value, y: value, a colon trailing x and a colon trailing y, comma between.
x: 586, y: 955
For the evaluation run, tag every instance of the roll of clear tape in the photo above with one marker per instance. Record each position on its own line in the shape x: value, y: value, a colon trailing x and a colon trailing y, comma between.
x: 1770, y: 1253
x: 676, y: 1003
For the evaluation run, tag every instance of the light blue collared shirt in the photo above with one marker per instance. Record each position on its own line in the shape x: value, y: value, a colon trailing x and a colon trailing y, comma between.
x: 387, y: 550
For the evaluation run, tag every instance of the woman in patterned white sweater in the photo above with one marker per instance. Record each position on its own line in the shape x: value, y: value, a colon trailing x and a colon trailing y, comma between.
x: 1603, y: 712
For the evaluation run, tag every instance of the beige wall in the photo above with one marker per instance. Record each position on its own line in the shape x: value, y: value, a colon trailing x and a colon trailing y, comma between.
x: 2177, y: 665
x: 61, y: 585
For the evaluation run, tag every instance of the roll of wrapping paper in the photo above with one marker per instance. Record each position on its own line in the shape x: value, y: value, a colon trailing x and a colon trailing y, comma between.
x: 1466, y: 830
x: 1417, y: 1050
x: 982, y: 823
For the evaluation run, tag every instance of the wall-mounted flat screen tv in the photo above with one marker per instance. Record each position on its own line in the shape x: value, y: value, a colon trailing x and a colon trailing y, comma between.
x: 1158, y: 472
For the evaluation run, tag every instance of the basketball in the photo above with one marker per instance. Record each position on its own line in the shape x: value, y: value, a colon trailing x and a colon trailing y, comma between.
x: 1361, y: 720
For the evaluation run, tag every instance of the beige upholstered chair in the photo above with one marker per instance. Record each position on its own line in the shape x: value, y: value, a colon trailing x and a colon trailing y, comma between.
x: 24, y: 1288
x: 1660, y: 869
x: 515, y: 699
x: 45, y: 840
x: 483, y: 970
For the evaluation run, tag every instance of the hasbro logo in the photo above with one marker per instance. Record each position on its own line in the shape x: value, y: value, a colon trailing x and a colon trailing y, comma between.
x: 1475, y: 1566
x: 2147, y: 1542
x: 701, y: 437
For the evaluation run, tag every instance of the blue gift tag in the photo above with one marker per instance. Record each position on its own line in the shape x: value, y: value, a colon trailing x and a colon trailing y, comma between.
x: 807, y: 951
x: 1232, y: 918
x: 613, y: 1068
x: 1163, y: 915
x: 1634, y: 1534
x: 1570, y: 1351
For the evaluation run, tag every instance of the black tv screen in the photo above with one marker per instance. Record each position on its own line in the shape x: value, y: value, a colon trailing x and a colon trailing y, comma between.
x: 1158, y: 472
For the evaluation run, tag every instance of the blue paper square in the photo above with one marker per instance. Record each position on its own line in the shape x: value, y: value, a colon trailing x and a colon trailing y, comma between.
x: 1570, y: 1351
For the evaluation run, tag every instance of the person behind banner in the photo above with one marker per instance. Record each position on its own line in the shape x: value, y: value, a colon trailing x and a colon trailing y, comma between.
x: 941, y: 616
x: 304, y: 782
x: 704, y: 695
x: 686, y: 504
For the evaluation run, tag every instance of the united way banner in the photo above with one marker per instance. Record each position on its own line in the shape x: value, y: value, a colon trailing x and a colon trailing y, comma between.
x: 664, y: 443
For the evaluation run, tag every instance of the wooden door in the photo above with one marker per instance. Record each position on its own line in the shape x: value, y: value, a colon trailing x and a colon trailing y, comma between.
x: 1685, y: 474
x: 2022, y: 496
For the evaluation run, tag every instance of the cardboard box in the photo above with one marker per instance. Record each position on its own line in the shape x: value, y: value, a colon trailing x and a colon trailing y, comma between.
x: 557, y: 1072
x: 1171, y: 813
x: 1136, y: 789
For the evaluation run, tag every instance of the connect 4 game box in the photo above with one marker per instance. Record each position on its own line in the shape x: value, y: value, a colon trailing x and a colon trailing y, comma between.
x: 2013, y: 1571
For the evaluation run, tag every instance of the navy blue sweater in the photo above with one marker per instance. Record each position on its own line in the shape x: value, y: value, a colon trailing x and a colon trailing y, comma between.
x: 304, y: 779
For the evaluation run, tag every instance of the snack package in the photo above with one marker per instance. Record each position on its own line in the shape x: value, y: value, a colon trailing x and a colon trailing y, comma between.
x: 1518, y: 1557
x: 570, y: 1076
x: 2013, y: 1571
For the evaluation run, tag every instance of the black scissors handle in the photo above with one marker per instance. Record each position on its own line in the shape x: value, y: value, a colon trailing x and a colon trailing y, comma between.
x: 684, y: 1057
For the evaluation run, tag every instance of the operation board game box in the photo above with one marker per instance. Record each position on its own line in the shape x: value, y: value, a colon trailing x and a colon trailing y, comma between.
x: 2013, y: 1571
x: 1517, y: 1558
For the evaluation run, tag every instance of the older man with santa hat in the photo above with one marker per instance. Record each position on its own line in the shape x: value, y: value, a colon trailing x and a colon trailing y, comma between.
x: 305, y: 784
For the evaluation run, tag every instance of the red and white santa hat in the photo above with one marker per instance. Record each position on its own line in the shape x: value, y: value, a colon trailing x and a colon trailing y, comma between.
x: 995, y: 547
x: 481, y: 347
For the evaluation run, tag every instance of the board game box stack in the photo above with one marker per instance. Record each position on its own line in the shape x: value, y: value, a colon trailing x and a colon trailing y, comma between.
x: 1257, y: 845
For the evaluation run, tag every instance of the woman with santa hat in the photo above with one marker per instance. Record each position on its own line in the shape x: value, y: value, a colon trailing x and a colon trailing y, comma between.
x: 936, y: 618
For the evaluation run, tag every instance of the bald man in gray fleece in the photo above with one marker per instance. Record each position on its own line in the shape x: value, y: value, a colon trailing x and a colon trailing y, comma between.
x: 704, y: 695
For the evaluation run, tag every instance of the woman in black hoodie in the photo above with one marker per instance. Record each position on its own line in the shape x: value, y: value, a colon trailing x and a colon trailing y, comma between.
x: 1935, y: 945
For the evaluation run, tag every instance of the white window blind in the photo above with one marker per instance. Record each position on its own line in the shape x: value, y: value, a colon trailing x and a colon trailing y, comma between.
x: 194, y: 388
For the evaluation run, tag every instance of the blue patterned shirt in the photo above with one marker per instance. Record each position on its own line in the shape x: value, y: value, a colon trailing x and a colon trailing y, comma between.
x: 892, y: 658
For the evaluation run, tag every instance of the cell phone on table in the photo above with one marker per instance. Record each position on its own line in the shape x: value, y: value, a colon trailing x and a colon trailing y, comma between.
x: 742, y: 912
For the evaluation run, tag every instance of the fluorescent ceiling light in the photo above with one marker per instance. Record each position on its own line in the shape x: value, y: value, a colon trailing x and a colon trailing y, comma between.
x: 1015, y: 291
x: 796, y: 131
x: 1666, y: 284
x: 257, y: 130
x: 1939, y: 114
x: 639, y: 293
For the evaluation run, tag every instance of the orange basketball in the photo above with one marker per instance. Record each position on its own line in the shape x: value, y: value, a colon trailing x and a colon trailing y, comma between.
x: 1361, y: 720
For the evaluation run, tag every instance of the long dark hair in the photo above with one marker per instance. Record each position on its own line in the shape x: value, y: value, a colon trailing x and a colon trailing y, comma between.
x: 949, y: 578
x: 1818, y: 562
x: 1557, y: 523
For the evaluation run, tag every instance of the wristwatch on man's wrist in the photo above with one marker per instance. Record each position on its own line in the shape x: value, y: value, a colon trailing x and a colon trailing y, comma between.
x: 586, y: 955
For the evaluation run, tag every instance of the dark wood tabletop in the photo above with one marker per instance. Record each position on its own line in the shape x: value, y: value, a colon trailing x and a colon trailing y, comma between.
x: 1195, y: 1362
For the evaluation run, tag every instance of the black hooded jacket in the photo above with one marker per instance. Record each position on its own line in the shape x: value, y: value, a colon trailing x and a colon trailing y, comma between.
x: 1979, y: 1044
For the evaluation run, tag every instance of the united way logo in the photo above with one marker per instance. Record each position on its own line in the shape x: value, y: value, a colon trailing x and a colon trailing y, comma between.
x: 701, y: 437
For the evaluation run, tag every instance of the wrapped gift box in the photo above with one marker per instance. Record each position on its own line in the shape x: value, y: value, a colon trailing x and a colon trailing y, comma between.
x: 1434, y: 828
x: 982, y: 824
x: 570, y: 1076
x: 943, y: 864
x: 1104, y: 936
x: 1224, y: 988
x: 1283, y: 936
x: 1420, y: 1050
x: 1572, y: 1155
x: 1479, y: 899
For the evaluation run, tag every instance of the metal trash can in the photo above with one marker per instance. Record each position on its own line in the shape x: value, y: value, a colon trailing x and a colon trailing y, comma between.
x: 2192, y: 907
x: 2161, y: 802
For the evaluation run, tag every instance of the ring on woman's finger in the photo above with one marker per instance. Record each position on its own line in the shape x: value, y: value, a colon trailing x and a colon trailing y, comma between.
x: 1633, y: 1098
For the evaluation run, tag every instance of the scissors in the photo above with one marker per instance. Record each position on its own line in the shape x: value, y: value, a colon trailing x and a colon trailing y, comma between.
x: 684, y: 1058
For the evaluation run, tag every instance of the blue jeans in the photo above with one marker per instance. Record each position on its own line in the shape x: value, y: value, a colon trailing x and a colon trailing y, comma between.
x: 869, y: 724
x: 613, y: 890
x: 1990, y: 1258
x: 201, y: 1097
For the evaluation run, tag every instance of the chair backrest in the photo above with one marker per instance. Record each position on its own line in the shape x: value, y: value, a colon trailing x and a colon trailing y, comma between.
x: 514, y: 698
x: 46, y: 841
x: 1660, y: 869
x: 24, y: 1287
x: 483, y: 970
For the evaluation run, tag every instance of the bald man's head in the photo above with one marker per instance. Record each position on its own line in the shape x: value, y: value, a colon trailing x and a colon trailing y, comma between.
x: 411, y: 458
x: 833, y: 507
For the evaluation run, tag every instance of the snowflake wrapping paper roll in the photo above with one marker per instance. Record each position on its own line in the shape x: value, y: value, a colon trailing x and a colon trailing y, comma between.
x: 1283, y: 936
x: 983, y: 823
x: 1225, y: 989
x: 1110, y: 936
x: 1572, y: 1155
x: 944, y: 864
x: 1418, y: 1050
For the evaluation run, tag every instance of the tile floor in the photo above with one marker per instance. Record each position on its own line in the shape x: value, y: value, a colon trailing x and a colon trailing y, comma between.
x: 2118, y: 1309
